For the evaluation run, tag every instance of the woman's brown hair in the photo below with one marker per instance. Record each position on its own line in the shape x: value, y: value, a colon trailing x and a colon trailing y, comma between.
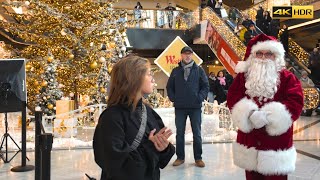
x: 127, y: 77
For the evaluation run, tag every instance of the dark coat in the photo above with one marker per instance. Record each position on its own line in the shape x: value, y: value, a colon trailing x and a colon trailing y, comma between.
x: 274, y: 28
x: 212, y: 5
x: 220, y: 91
x: 284, y: 38
x: 190, y: 93
x: 211, y: 84
x: 248, y: 35
x: 117, y: 128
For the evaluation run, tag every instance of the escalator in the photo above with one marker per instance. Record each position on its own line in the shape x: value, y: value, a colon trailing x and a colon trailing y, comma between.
x: 297, y: 55
x: 227, y: 47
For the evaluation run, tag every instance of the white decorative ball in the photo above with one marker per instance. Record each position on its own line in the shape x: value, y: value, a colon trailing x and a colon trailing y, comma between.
x: 91, y: 109
x: 102, y: 59
x: 123, y: 48
x: 71, y: 94
x: 91, y: 44
x: 27, y: 3
x: 63, y: 32
x: 38, y: 108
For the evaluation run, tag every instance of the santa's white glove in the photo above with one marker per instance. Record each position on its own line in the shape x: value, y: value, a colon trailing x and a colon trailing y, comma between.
x: 259, y: 119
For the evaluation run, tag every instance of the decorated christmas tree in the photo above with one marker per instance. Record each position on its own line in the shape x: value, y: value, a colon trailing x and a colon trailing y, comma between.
x: 50, y: 91
x: 75, y: 34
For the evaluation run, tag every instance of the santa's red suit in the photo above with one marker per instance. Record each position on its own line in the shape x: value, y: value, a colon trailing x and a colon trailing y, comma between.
x: 266, y: 152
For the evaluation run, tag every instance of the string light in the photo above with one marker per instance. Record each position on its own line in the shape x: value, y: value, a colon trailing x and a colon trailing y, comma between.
x: 311, y: 98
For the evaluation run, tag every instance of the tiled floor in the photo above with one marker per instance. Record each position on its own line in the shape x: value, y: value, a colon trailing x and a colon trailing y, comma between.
x: 73, y: 164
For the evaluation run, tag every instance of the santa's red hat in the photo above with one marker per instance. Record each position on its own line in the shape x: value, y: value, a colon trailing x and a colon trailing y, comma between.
x: 262, y: 42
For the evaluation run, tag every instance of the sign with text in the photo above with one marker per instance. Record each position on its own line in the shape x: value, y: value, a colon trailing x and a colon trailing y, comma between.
x: 221, y: 49
x: 171, y: 56
x: 292, y: 12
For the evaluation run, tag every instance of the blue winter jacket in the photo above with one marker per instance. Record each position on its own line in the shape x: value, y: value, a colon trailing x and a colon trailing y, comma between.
x: 190, y: 93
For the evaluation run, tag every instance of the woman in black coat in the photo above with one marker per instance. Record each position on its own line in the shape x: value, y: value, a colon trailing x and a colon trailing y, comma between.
x: 118, y: 150
x: 220, y: 87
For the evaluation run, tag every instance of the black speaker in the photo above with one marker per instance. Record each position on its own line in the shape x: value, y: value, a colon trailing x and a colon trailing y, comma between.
x: 12, y: 85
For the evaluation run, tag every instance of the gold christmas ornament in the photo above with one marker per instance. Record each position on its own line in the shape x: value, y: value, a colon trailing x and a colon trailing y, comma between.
x: 50, y: 59
x: 50, y: 106
x: 103, y: 90
x: 28, y: 67
x: 36, y: 83
x: 109, y: 69
x: 93, y: 65
x: 44, y: 83
x: 71, y: 56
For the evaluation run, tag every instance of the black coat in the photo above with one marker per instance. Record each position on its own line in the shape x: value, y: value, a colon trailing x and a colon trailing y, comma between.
x: 190, y: 93
x: 211, y: 84
x: 212, y: 5
x: 284, y: 38
x: 220, y: 91
x: 117, y: 128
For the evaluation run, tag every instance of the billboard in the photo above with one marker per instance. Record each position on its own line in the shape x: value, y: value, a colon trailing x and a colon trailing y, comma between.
x: 171, y: 56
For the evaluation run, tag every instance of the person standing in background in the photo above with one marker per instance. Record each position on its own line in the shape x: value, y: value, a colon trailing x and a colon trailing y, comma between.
x: 160, y: 16
x: 284, y: 38
x: 211, y: 3
x: 187, y: 88
x: 137, y: 13
x: 212, y: 79
x: 170, y: 14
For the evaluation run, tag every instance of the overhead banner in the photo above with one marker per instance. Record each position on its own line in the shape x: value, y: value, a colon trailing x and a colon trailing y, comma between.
x: 221, y: 49
x: 171, y: 56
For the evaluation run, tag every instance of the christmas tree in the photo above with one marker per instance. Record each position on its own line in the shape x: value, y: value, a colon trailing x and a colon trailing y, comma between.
x: 75, y: 34
x: 50, y: 91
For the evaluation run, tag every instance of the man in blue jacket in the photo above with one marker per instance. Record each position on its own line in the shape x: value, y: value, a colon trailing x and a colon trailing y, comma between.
x: 187, y: 87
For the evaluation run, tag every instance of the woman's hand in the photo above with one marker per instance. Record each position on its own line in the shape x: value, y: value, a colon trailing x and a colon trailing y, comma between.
x: 160, y: 140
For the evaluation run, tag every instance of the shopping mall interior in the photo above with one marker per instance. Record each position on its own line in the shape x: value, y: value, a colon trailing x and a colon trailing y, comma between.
x: 56, y: 59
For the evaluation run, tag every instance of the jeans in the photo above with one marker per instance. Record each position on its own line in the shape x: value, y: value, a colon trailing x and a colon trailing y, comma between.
x: 210, y: 97
x: 195, y: 121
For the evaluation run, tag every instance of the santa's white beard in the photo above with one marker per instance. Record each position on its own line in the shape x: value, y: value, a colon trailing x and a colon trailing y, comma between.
x: 262, y: 78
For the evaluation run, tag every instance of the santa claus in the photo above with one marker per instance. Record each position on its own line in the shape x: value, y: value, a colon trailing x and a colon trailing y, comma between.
x: 265, y: 100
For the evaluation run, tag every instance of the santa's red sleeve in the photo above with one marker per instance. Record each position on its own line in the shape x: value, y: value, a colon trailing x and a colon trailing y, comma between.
x: 282, y: 113
x: 239, y: 105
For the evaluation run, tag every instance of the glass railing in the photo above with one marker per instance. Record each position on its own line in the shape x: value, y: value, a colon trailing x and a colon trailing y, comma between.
x: 164, y: 19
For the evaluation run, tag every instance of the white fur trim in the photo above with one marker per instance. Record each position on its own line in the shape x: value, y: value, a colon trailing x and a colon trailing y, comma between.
x: 245, y: 157
x: 279, y: 118
x: 279, y: 162
x: 273, y: 46
x: 242, y: 67
x: 240, y: 114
